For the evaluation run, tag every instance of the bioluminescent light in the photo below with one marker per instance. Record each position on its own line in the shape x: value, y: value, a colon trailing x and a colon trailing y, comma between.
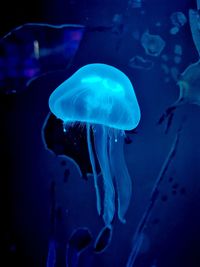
x: 101, y: 97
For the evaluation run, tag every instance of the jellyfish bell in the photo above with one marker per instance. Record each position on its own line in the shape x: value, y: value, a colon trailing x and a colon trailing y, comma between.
x: 94, y: 94
x: 103, y: 98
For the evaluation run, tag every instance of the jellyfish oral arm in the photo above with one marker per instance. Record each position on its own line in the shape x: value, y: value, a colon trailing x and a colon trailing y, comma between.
x: 109, y: 146
x: 101, y: 147
x: 92, y: 161
x: 120, y: 172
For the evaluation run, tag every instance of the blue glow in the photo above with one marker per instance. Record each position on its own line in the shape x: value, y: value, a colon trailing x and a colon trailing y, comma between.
x: 91, y: 79
x: 103, y: 98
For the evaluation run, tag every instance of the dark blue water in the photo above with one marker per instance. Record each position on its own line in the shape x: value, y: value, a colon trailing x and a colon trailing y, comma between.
x: 48, y: 204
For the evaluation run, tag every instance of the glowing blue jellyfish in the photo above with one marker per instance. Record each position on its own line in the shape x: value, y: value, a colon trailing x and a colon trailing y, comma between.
x: 103, y: 98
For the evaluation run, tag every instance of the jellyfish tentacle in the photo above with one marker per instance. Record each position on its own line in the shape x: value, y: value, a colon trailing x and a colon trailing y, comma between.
x: 101, y: 147
x: 92, y: 161
x: 121, y: 174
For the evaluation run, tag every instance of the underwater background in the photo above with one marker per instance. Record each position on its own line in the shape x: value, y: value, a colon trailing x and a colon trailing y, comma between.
x: 47, y: 199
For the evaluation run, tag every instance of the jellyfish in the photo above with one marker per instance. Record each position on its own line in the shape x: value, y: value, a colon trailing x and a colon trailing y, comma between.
x: 102, y: 98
